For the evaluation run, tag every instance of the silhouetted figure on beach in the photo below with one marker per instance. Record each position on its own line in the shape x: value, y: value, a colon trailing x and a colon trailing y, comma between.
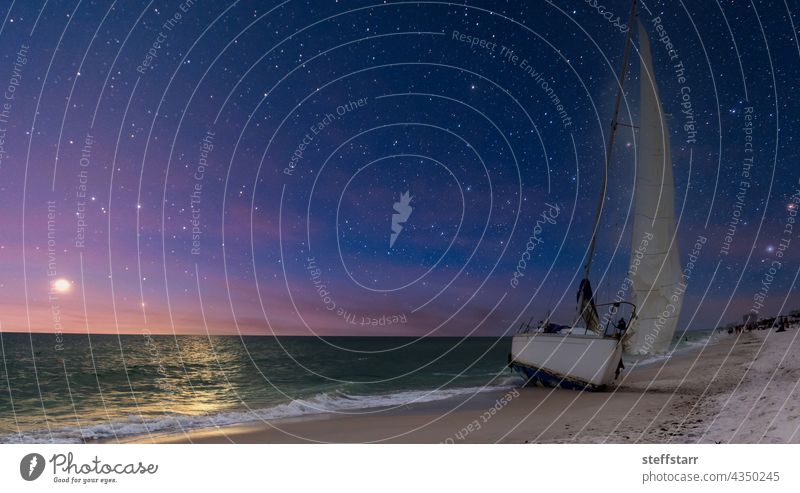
x: 621, y: 326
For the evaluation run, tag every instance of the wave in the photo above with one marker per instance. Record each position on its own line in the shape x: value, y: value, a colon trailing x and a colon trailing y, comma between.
x: 335, y: 402
x: 680, y: 345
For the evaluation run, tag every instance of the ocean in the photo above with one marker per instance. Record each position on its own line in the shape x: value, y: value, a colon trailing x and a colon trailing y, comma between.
x: 102, y: 386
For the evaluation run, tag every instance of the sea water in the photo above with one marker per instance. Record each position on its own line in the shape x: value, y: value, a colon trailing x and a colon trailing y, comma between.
x: 103, y: 386
x: 681, y: 341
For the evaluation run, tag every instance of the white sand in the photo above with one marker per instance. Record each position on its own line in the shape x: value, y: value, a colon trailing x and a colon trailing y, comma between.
x: 765, y: 405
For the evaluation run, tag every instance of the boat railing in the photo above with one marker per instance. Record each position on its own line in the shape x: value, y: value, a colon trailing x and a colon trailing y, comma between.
x: 525, y: 327
x: 622, y: 326
x: 609, y: 330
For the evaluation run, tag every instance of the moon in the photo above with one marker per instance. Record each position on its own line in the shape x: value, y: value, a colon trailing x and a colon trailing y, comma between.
x: 62, y: 286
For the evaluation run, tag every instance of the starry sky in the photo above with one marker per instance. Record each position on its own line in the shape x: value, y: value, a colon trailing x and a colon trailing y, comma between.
x: 234, y: 167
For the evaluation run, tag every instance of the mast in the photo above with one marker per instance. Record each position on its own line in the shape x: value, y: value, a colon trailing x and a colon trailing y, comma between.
x: 622, y: 73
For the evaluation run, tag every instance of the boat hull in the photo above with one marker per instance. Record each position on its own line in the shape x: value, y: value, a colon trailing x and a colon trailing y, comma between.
x: 566, y: 361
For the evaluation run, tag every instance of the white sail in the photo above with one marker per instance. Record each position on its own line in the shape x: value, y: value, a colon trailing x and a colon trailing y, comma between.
x: 655, y: 268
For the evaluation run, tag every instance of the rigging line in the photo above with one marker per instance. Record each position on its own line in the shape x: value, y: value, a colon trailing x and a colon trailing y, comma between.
x: 623, y: 71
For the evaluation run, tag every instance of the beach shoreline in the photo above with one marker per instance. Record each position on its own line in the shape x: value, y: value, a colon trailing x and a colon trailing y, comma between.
x: 695, y: 396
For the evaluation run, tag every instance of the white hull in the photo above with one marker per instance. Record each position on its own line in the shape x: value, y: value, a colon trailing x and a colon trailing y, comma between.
x: 567, y: 360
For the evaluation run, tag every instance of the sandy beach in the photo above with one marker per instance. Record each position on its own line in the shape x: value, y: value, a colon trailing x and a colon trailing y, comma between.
x: 738, y: 389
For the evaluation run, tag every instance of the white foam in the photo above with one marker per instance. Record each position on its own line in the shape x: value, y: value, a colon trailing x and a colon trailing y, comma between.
x: 337, y: 402
x: 680, y: 347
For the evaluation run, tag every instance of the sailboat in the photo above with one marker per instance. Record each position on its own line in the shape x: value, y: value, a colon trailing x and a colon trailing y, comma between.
x: 587, y: 354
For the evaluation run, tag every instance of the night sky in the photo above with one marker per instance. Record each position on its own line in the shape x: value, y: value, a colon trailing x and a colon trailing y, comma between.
x: 234, y: 166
